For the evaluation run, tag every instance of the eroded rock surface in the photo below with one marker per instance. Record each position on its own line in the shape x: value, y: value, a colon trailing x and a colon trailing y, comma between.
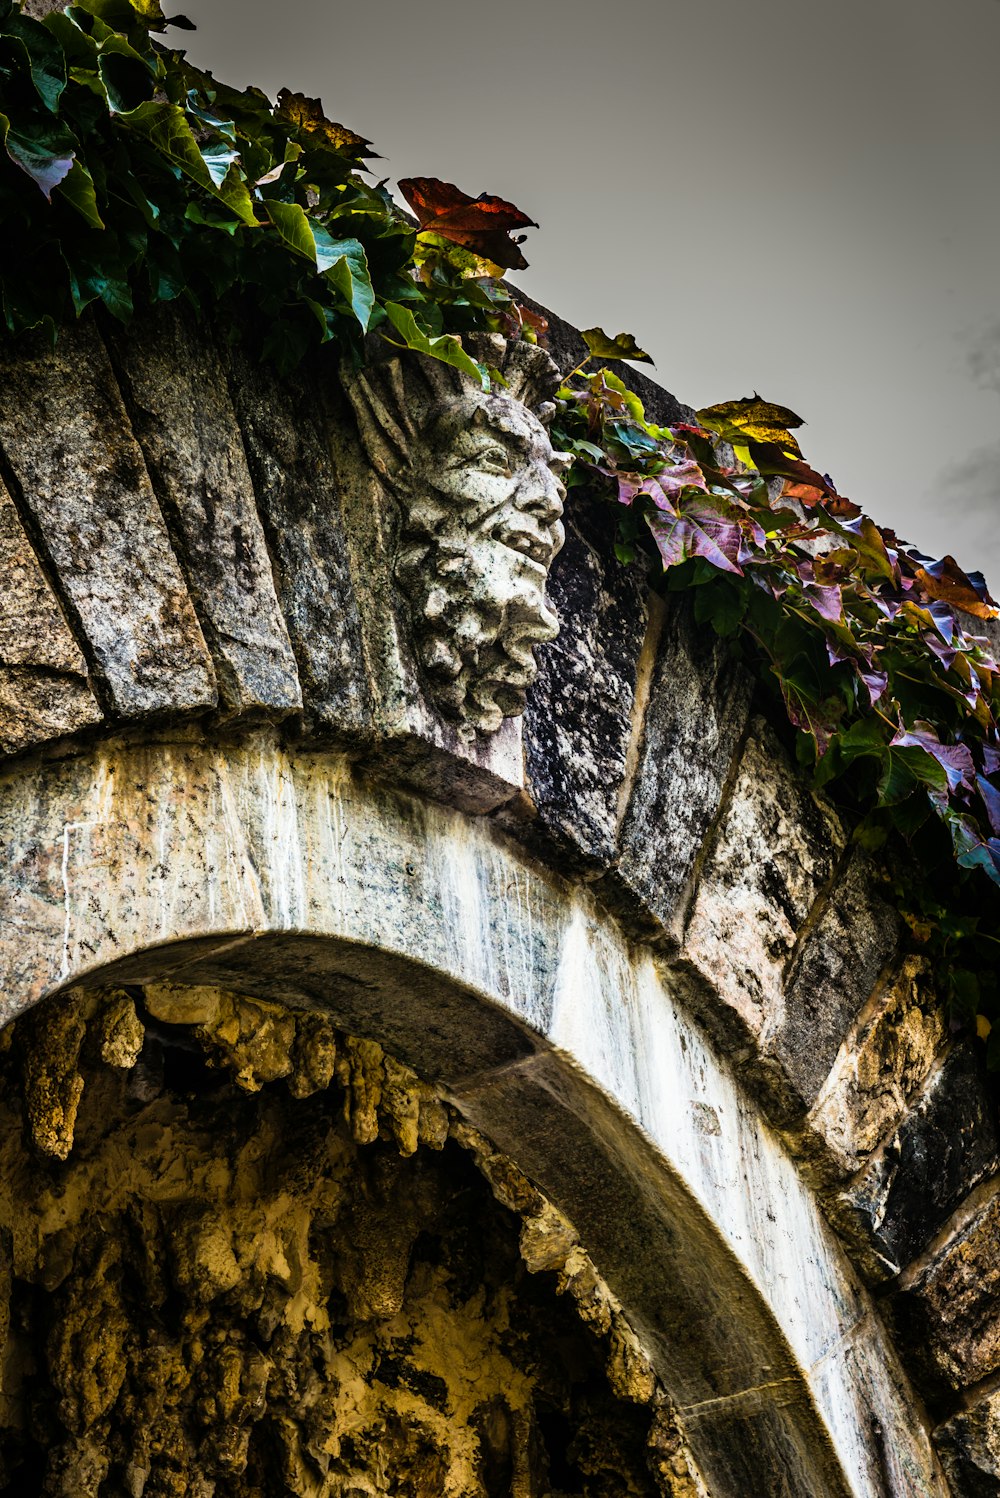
x: 246, y: 1254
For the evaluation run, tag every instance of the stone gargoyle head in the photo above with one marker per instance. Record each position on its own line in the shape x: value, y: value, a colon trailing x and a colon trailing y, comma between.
x: 475, y: 480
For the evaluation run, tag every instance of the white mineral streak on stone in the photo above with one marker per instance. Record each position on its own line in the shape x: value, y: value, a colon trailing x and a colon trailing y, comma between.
x: 283, y: 848
x: 617, y: 1020
x: 170, y: 838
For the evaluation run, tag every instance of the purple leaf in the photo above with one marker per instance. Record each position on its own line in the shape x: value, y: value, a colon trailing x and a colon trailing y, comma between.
x: 991, y: 800
x: 945, y: 653
x: 827, y: 601
x: 701, y: 529
x: 954, y: 759
x: 875, y: 681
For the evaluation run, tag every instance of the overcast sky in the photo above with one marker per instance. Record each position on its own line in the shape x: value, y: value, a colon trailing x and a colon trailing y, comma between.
x: 796, y: 198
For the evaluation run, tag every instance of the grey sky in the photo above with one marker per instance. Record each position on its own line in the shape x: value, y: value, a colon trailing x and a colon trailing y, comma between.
x: 796, y: 198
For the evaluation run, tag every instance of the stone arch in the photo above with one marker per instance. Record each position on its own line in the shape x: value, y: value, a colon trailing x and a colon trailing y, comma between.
x: 625, y: 913
x: 283, y: 875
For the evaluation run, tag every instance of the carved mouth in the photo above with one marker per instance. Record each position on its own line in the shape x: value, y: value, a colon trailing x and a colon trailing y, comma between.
x: 528, y: 543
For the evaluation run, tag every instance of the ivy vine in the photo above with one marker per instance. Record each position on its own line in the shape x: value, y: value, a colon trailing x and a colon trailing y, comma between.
x: 129, y: 176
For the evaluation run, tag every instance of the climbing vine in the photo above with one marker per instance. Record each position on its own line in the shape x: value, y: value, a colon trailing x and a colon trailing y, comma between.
x: 128, y: 176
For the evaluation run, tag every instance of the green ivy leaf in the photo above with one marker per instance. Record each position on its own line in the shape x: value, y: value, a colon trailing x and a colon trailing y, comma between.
x: 622, y: 346
x: 346, y: 266
x: 166, y: 128
x: 294, y: 229
x: 124, y: 14
x: 445, y: 346
x: 125, y: 76
x: 236, y: 196
x: 46, y: 60
x: 45, y: 151
x: 77, y: 188
x: 220, y: 160
x: 906, y: 769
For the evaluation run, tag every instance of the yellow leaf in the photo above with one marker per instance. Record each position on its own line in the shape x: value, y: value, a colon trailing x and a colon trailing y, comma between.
x: 983, y: 1026
x: 755, y: 420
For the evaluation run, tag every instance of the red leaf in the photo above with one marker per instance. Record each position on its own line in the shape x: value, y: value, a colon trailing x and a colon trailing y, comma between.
x: 946, y: 580
x: 482, y: 225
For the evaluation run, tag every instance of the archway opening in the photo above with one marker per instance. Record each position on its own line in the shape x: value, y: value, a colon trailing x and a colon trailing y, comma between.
x: 248, y: 1254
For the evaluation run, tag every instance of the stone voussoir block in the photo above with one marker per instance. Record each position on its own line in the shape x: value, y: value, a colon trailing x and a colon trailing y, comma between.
x: 175, y: 384
x: 946, y: 1314
x: 881, y: 1066
x: 832, y: 974
x: 283, y: 425
x: 579, y: 714
x: 773, y: 851
x: 696, y: 713
x: 44, y: 681
x: 67, y: 441
x: 969, y: 1444
x: 946, y: 1144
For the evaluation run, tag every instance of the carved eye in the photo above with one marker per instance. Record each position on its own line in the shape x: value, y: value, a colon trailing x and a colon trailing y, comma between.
x: 494, y: 459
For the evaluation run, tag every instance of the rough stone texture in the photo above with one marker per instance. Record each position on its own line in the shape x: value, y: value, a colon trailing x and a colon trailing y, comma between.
x: 946, y: 1145
x: 66, y: 438
x: 578, y: 719
x: 280, y: 875
x: 44, y: 688
x: 833, y: 973
x: 697, y: 711
x: 881, y: 1066
x: 314, y: 1291
x: 300, y: 504
x: 271, y: 875
x: 773, y: 851
x: 970, y: 1448
x: 947, y: 1313
x: 183, y: 417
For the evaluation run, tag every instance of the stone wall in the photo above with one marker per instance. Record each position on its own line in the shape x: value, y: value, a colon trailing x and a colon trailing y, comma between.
x: 200, y: 650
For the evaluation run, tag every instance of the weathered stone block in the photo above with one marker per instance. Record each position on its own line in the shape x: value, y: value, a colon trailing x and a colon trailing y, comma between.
x: 67, y: 440
x: 578, y: 719
x: 833, y: 973
x: 281, y: 418
x: 881, y: 1066
x: 696, y: 713
x: 944, y: 1147
x: 44, y: 687
x: 970, y: 1449
x: 948, y: 1314
x: 774, y: 849
x: 182, y: 414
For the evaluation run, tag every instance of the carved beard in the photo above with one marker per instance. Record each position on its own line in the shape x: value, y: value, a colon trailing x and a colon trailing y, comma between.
x: 477, y: 609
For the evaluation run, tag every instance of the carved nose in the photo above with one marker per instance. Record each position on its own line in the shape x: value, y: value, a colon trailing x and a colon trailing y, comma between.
x: 541, y: 494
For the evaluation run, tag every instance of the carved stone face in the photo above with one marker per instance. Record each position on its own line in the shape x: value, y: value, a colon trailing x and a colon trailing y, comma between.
x: 481, y: 524
x: 479, y: 502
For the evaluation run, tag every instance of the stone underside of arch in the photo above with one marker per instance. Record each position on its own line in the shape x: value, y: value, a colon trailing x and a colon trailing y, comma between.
x: 284, y: 877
